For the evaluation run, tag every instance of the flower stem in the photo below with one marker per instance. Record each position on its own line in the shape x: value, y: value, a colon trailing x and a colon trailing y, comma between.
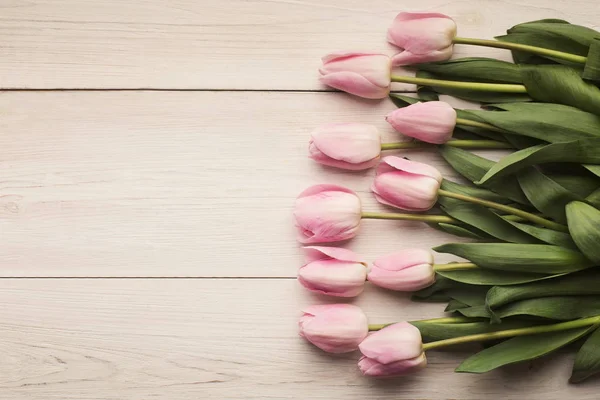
x: 536, y: 219
x: 454, y: 266
x: 476, y: 124
x: 522, y: 47
x: 479, y: 86
x: 436, y: 219
x: 532, y: 330
x: 445, y: 320
x: 461, y: 144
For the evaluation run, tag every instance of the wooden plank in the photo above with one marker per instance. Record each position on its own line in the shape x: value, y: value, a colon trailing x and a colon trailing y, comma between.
x: 219, y: 339
x: 173, y: 183
x: 233, y: 44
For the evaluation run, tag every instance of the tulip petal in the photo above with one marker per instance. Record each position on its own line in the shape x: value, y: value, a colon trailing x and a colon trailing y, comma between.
x: 356, y: 84
x: 431, y: 122
x: 372, y: 368
x: 395, y: 342
x: 352, y: 142
x: 406, y: 191
x: 335, y: 328
x: 339, y: 55
x: 333, y: 277
x: 391, y: 163
x: 407, y: 57
x: 413, y: 278
x: 404, y: 259
x: 315, y: 253
x: 325, y: 187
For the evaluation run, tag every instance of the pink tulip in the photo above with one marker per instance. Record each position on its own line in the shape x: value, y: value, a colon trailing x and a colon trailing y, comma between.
x: 333, y: 271
x: 431, y: 122
x: 362, y: 74
x: 335, y: 328
x: 405, y: 184
x: 327, y: 213
x: 424, y: 37
x: 346, y: 146
x: 393, y: 351
x: 405, y: 271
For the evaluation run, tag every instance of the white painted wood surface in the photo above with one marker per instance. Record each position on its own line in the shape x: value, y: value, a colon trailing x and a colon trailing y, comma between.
x: 231, y: 44
x: 82, y: 339
x: 97, y: 187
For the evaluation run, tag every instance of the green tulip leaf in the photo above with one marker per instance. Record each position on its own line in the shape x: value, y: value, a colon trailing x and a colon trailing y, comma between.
x: 584, y: 225
x: 594, y: 198
x: 579, y: 284
x: 591, y: 70
x: 519, y: 349
x: 432, y: 331
x: 547, y: 122
x: 561, y: 308
x: 485, y: 220
x: 532, y: 258
x: 460, y: 231
x: 474, y: 191
x: 545, y: 194
x: 454, y: 305
x: 402, y: 101
x: 576, y: 151
x: 475, y: 168
x: 549, y: 236
x: 587, y: 360
x: 560, y: 84
x: 474, y: 69
x: 481, y: 276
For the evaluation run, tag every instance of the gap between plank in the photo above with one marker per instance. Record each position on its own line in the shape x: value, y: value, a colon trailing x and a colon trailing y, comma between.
x: 156, y: 277
x: 178, y: 90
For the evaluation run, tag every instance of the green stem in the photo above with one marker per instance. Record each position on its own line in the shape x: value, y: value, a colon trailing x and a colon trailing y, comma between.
x: 436, y: 219
x: 479, y: 86
x: 454, y: 266
x: 533, y: 330
x: 461, y: 144
x: 522, y: 47
x: 476, y: 124
x: 507, y: 209
x: 445, y: 320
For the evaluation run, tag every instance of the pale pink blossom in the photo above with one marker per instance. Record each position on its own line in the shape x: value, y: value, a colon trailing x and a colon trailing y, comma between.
x: 362, y: 74
x: 327, y: 213
x: 431, y: 122
x: 393, y: 351
x: 406, y: 184
x: 350, y: 146
x: 333, y: 271
x: 423, y: 37
x: 407, y: 270
x: 334, y: 328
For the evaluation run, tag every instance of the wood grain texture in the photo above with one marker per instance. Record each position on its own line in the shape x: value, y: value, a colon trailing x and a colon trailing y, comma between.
x: 233, y: 44
x: 219, y: 339
x: 174, y: 183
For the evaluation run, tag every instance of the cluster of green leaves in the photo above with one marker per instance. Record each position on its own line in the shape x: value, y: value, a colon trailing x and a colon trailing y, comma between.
x: 528, y: 275
x: 546, y: 79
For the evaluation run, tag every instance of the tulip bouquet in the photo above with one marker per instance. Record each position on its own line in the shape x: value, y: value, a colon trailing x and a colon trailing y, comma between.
x: 528, y: 282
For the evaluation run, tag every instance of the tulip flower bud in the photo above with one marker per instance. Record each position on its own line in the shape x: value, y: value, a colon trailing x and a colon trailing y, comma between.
x: 362, y: 74
x: 335, y: 328
x: 405, y: 271
x: 424, y: 37
x: 346, y: 146
x: 431, y: 122
x: 406, y: 184
x: 393, y: 351
x: 327, y: 213
x: 333, y: 271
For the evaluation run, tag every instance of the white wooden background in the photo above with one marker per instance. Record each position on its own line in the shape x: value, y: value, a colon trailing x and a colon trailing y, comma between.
x: 150, y: 154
